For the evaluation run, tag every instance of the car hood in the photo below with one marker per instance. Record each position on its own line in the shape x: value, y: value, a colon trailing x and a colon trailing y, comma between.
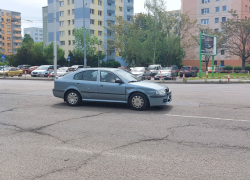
x: 151, y: 85
x: 39, y: 71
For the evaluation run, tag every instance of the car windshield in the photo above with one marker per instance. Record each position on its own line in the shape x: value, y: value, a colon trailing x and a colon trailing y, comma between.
x: 5, y: 68
x: 20, y: 66
x: 43, y: 68
x: 138, y: 69
x: 185, y: 68
x: 127, y: 76
x: 152, y: 67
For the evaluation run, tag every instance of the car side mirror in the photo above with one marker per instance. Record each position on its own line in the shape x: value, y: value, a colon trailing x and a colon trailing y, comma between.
x: 119, y: 81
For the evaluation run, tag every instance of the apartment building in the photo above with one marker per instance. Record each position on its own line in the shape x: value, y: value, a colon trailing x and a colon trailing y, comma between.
x: 35, y: 32
x: 98, y: 14
x: 211, y: 13
x: 10, y: 31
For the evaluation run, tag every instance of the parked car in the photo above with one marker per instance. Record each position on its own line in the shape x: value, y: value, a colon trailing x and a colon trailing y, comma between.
x: 13, y: 71
x: 154, y: 69
x: 3, y: 70
x: 189, y: 71
x: 197, y: 69
x: 176, y: 68
x: 209, y: 69
x: 110, y: 85
x: 42, y: 71
x: 32, y: 68
x: 141, y: 72
x: 24, y: 68
x: 63, y: 71
x: 166, y: 73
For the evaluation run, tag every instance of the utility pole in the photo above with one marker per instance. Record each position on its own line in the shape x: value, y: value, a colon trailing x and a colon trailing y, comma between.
x: 84, y: 37
x: 55, y: 44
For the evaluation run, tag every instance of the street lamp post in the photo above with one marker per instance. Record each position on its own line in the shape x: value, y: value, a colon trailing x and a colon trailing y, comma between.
x: 84, y: 37
x: 55, y: 45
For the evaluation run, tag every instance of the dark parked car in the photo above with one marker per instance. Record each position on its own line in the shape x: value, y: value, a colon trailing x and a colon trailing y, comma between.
x: 189, y: 71
x: 197, y: 69
x: 24, y: 68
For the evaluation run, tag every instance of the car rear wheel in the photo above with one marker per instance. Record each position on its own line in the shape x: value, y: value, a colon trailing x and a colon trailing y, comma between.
x: 73, y: 98
x: 138, y: 101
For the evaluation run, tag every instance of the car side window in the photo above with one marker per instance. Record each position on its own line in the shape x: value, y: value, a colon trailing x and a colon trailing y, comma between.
x: 90, y: 75
x: 78, y: 76
x: 108, y: 77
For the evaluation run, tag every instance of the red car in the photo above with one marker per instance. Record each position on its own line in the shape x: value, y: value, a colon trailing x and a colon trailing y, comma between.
x: 32, y: 68
x: 24, y: 68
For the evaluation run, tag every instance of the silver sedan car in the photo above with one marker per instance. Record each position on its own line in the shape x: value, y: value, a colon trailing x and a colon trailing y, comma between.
x: 110, y: 85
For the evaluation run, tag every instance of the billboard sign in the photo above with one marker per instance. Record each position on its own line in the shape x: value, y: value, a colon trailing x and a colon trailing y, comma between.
x: 208, y: 45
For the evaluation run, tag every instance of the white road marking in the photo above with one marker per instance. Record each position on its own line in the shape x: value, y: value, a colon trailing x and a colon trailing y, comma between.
x: 200, y: 117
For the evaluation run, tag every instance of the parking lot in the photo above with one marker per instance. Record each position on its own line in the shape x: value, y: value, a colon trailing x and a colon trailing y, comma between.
x: 202, y: 134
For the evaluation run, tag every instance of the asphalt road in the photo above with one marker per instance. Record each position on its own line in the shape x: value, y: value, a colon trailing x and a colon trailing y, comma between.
x: 203, y: 134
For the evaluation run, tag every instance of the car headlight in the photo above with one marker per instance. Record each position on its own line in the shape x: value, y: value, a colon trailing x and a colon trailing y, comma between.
x: 161, y: 92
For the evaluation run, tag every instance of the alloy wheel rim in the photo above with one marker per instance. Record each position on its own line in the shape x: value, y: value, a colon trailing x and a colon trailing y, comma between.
x: 72, y: 98
x: 137, y: 102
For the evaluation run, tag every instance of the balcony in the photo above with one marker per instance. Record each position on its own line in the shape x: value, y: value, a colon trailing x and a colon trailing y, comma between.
x: 111, y: 37
x: 130, y: 5
x: 17, y: 29
x: 130, y: 14
x: 17, y: 35
x: 17, y: 17
x: 17, y: 40
x: 111, y: 18
x: 111, y: 57
x: 111, y: 8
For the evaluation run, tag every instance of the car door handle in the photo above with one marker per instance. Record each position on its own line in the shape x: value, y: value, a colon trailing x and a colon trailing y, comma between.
x: 77, y: 83
x: 100, y: 85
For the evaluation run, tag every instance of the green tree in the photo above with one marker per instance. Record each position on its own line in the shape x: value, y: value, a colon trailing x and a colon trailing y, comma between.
x: 236, y: 36
x: 49, y: 53
x: 27, y: 39
x: 37, y: 54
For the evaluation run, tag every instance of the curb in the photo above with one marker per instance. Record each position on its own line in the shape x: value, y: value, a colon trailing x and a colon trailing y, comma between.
x: 27, y: 79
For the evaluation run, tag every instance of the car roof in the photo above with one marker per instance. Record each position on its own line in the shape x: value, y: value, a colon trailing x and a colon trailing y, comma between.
x: 100, y: 68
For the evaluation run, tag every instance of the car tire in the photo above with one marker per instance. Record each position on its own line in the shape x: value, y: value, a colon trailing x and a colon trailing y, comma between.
x: 138, y: 101
x: 73, y: 98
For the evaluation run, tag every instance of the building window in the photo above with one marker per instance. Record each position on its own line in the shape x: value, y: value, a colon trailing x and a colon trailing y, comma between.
x: 61, y: 3
x: 8, y: 38
x: 216, y: 30
x: 92, y: 32
x: 99, y: 33
x: 129, y: 19
x: 205, y: 1
x: 216, y: 20
x: 68, y: 12
x: 8, y: 26
x: 9, y: 50
x: 61, y: 13
x: 68, y: 22
x: 120, y: 0
x: 69, y: 32
x: 61, y: 23
x: 8, y: 14
x: 120, y: 8
x: 73, y: 1
x: 205, y: 11
x: 73, y: 11
x: 8, y: 32
x: 62, y: 43
x: 215, y: 63
x: 74, y: 42
x: 9, y: 44
x: 224, y: 19
x: 69, y: 42
x: 217, y: 9
x: 205, y: 21
x: 61, y: 33
x: 2, y: 25
x: 99, y: 2
x: 100, y: 13
x: 73, y: 21
x: 222, y: 52
x: 93, y: 1
x: 36, y: 34
x: 92, y: 11
x: 222, y: 63
x: 8, y: 20
x: 100, y: 42
x: 68, y: 2
x: 224, y: 8
x: 100, y: 23
x: 92, y: 21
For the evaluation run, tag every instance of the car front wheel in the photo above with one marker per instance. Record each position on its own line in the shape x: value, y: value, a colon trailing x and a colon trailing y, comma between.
x: 138, y: 101
x: 73, y: 98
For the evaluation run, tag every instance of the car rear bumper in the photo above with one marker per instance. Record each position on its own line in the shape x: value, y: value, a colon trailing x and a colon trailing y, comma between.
x: 58, y: 93
x: 160, y: 100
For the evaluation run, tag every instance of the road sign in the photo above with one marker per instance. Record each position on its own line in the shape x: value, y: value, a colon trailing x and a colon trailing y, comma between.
x: 68, y: 58
x: 208, y: 45
x: 3, y: 57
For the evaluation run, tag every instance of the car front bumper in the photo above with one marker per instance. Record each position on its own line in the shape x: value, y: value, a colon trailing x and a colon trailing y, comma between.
x: 160, y: 100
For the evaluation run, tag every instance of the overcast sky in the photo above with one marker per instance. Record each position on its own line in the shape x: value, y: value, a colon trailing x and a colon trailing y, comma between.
x: 33, y: 11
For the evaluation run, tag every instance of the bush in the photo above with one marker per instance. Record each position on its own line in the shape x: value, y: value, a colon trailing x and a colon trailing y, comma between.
x: 229, y: 68
x: 247, y: 67
x: 237, y: 68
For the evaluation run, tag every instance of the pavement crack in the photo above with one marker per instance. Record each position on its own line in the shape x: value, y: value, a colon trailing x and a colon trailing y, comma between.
x: 8, y: 110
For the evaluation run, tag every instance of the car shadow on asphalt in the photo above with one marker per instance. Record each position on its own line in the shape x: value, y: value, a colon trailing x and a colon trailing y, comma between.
x: 118, y: 107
